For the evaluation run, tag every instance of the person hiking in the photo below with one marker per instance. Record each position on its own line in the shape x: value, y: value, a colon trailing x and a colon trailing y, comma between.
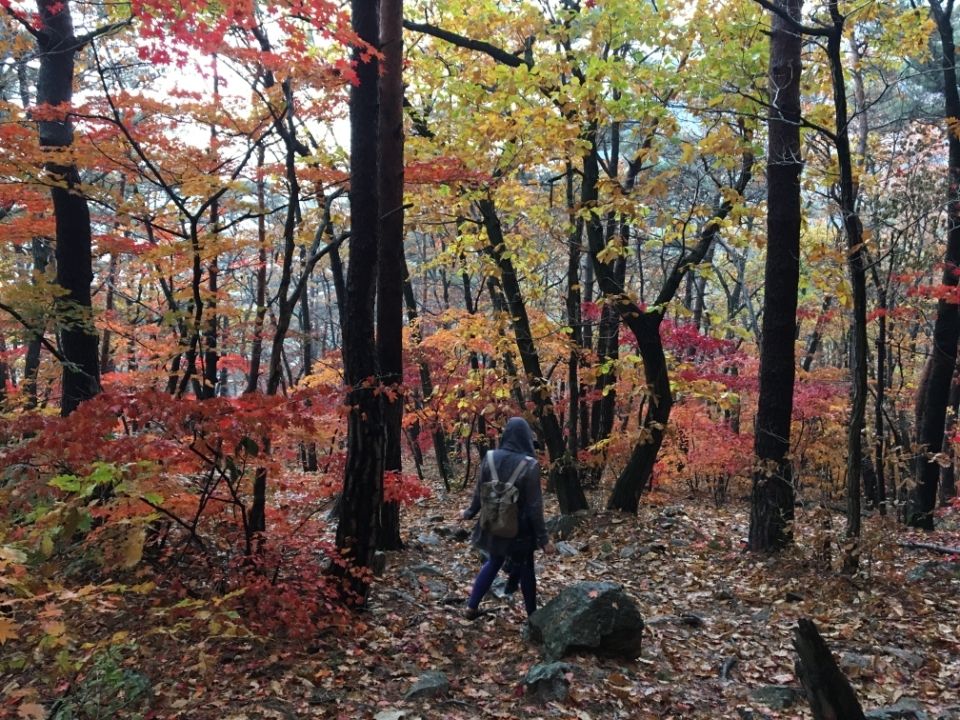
x: 513, y: 462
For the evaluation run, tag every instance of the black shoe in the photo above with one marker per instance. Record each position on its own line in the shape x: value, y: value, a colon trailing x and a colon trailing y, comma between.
x: 470, y: 613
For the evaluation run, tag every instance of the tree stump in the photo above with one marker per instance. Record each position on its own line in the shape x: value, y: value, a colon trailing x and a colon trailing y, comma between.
x: 828, y: 690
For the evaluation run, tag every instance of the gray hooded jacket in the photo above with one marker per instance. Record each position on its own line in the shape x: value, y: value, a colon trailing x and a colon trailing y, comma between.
x: 516, y: 446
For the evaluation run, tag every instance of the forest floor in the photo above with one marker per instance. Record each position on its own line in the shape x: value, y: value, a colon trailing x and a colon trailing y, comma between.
x: 719, y: 627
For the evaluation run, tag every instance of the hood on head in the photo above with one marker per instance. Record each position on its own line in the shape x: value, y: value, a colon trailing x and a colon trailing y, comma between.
x: 517, y: 437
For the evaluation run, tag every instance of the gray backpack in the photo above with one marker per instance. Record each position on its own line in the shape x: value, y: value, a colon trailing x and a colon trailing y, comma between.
x: 500, y: 501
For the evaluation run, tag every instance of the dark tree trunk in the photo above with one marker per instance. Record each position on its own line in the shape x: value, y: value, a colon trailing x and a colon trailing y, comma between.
x: 856, y: 259
x: 31, y: 365
x: 636, y: 475
x: 256, y: 351
x: 828, y: 690
x: 574, y: 318
x: 210, y: 354
x: 948, y: 481
x: 392, y: 261
x: 78, y: 336
x: 440, y: 443
x: 363, y: 478
x: 816, y: 337
x: 946, y: 328
x: 4, y: 374
x: 771, y: 507
x: 106, y: 355
x: 645, y: 326
x: 879, y: 440
x: 563, y: 474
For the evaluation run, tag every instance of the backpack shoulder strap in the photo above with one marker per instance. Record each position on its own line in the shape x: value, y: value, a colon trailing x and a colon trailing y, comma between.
x: 493, y: 467
x: 522, y: 467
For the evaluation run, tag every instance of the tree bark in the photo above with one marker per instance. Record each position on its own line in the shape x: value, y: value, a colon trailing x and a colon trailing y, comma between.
x: 828, y: 690
x: 31, y: 367
x: 363, y: 477
x: 946, y: 328
x: 78, y: 336
x: 771, y: 506
x: 392, y: 261
x: 856, y: 260
x: 563, y: 473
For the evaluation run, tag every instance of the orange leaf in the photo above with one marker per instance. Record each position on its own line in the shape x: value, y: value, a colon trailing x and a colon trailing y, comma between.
x: 8, y: 630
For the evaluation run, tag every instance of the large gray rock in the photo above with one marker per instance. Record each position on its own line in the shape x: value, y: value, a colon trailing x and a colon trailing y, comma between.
x: 548, y: 683
x: 596, y: 616
x: 428, y: 685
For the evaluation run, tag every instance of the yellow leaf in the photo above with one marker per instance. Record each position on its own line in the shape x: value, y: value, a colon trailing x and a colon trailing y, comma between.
x: 12, y: 554
x: 8, y: 630
x: 133, y: 547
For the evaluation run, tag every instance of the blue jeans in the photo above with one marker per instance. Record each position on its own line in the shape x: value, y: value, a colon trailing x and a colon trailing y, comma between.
x: 523, y: 571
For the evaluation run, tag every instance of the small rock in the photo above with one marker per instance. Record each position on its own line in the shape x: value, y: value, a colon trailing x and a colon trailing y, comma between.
x: 906, y: 709
x: 693, y: 620
x: 429, y: 539
x: 548, y: 683
x: 855, y: 664
x: 762, y: 616
x: 628, y: 552
x: 679, y: 542
x: 674, y: 511
x: 563, y: 526
x: 776, y: 697
x: 426, y: 569
x: 793, y: 597
x: 910, y: 659
x: 748, y: 714
x: 723, y: 593
x: 428, y: 685
x: 933, y: 568
x: 566, y: 549
x: 390, y: 715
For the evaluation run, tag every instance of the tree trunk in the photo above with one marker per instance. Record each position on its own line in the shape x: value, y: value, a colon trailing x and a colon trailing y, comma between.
x: 78, y: 336
x: 31, y: 366
x: 948, y: 481
x: 771, y: 507
x: 564, y: 477
x: 946, y: 328
x: 256, y: 351
x: 856, y: 259
x: 363, y: 477
x: 392, y: 261
x: 440, y: 443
